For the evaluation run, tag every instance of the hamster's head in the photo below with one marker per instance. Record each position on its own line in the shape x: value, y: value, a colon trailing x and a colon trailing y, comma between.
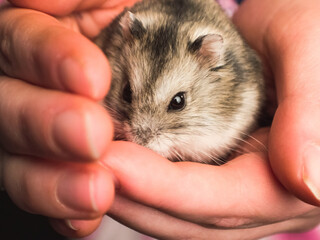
x: 179, y: 89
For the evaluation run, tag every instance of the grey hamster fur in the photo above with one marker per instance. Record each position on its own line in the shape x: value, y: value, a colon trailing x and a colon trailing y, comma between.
x: 184, y: 82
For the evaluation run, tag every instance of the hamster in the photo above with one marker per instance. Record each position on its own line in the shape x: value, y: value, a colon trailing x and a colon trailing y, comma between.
x: 184, y: 82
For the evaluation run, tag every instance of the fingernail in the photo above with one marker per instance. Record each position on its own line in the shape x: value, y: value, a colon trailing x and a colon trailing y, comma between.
x: 73, y: 78
x: 71, y: 225
x: 311, y: 169
x: 77, y: 191
x: 77, y: 133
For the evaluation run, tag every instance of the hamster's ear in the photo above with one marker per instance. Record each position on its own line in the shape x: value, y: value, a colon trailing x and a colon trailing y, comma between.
x: 211, y: 47
x: 131, y: 26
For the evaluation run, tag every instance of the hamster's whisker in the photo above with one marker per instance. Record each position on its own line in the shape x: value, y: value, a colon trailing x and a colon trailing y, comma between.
x: 257, y: 141
x: 198, y: 125
x: 216, y: 159
x: 231, y: 149
x: 260, y: 144
x: 244, y: 148
x: 173, y: 151
x: 176, y: 155
x: 246, y: 135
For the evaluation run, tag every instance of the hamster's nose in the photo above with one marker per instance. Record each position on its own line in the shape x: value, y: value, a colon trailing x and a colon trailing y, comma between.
x: 142, y: 136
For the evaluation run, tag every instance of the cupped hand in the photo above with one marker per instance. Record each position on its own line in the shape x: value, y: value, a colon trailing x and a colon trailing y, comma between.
x: 242, y: 199
x: 53, y: 132
x: 286, y: 34
x: 239, y: 200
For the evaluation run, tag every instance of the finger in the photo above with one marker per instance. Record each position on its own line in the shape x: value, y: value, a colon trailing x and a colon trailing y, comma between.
x: 298, y: 114
x: 58, y: 189
x: 263, y: 13
x: 37, y: 48
x: 160, y: 225
x: 51, y: 124
x: 294, y: 147
x: 58, y: 7
x: 91, y: 21
x: 75, y: 228
x: 155, y: 223
x: 64, y: 8
x: 294, y: 140
x: 202, y: 193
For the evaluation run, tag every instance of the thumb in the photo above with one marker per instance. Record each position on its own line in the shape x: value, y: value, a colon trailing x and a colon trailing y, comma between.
x: 294, y: 147
x: 294, y: 138
x: 287, y: 37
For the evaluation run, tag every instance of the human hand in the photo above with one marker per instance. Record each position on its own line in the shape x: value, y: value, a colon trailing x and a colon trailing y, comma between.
x: 51, y: 123
x: 242, y: 199
x: 286, y: 34
x: 238, y: 200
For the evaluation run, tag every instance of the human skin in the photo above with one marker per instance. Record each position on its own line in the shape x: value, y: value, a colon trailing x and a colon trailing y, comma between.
x: 245, y: 201
x: 241, y: 199
x: 51, y: 112
x: 285, y: 34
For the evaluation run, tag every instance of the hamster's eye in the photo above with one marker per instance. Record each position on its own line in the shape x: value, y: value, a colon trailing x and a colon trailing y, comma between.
x: 127, y: 93
x: 178, y: 102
